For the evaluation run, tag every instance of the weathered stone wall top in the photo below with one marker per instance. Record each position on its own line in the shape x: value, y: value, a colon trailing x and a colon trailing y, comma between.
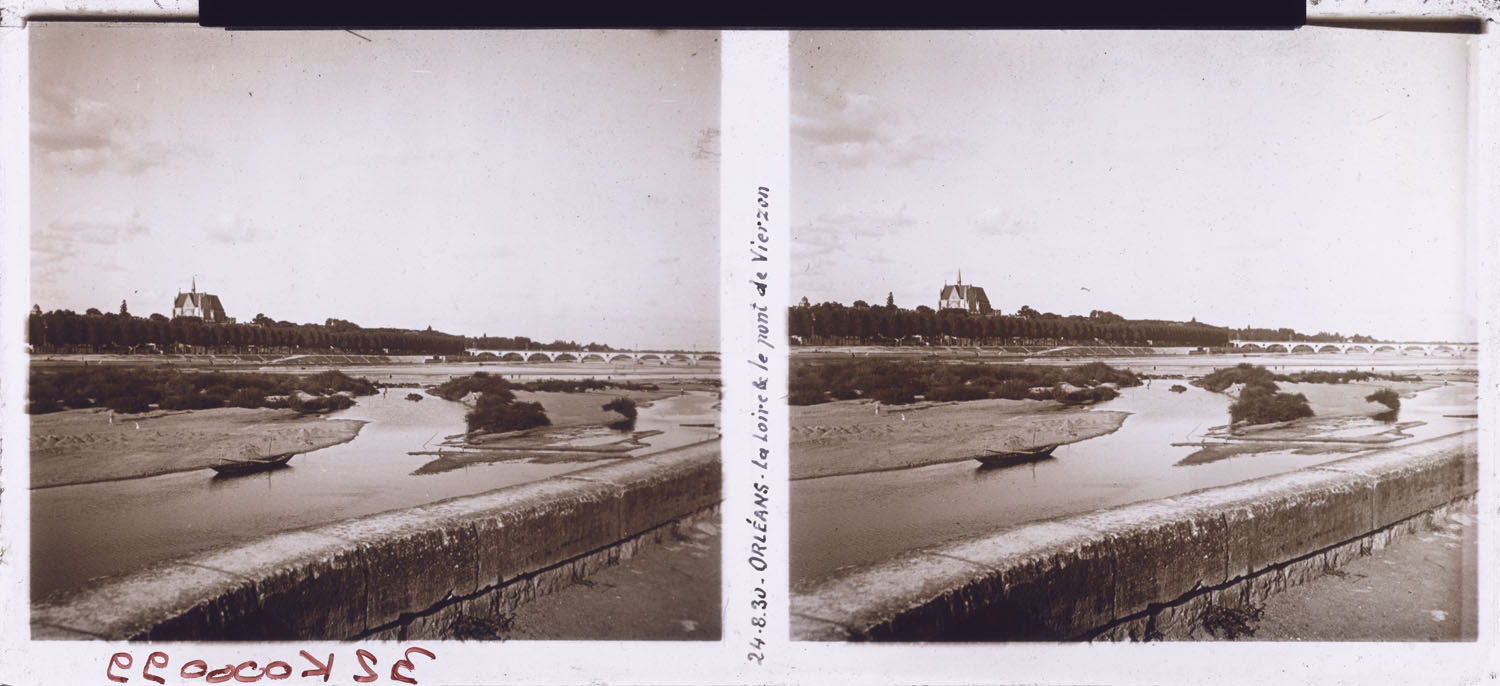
x: 1068, y: 577
x: 353, y: 577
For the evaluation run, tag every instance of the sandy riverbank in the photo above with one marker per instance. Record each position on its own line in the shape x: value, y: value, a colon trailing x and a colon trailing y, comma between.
x: 849, y: 437
x: 578, y: 433
x: 1342, y: 421
x: 82, y: 446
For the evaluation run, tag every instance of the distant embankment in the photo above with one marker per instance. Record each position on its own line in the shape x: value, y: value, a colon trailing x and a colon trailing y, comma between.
x: 405, y: 574
x: 1150, y: 570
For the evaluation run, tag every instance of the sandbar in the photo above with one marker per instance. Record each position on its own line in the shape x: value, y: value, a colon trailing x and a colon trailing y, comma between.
x: 850, y: 437
x: 84, y: 446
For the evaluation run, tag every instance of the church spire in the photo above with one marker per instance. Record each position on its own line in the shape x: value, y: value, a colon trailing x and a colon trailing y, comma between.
x: 195, y: 283
x: 960, y: 276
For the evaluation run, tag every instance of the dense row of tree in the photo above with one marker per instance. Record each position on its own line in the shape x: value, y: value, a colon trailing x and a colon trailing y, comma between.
x: 862, y: 323
x: 93, y: 331
x: 834, y: 322
x: 66, y: 331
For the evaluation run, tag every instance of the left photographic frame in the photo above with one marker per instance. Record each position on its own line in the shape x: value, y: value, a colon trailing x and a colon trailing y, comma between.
x: 372, y: 335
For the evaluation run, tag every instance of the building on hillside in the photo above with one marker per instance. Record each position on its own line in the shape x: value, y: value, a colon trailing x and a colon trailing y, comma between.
x: 205, y: 306
x: 966, y: 297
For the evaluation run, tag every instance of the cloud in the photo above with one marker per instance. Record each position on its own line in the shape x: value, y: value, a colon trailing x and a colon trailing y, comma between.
x: 229, y: 228
x: 78, y: 135
x: 97, y: 226
x: 48, y: 256
x: 835, y: 230
x: 855, y: 129
x: 706, y: 145
x: 80, y: 235
x: 998, y: 221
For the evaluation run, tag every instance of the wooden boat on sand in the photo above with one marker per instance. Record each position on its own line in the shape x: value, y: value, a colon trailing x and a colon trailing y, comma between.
x: 1010, y: 457
x: 250, y: 465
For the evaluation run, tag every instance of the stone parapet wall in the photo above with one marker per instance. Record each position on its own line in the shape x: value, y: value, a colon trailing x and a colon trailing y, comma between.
x: 1139, y: 570
x: 395, y: 574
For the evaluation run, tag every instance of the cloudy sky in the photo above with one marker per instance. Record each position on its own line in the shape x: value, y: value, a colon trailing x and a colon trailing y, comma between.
x: 1312, y: 179
x: 545, y: 184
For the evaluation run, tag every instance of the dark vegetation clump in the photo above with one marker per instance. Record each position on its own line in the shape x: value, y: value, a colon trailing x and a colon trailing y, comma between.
x: 1178, y: 388
x: 494, y: 413
x: 482, y: 382
x: 1244, y: 373
x: 132, y: 389
x: 414, y: 397
x: 900, y: 382
x: 1260, y: 401
x: 1386, y: 397
x: 479, y: 382
x: 1084, y: 396
x: 626, y: 408
x: 581, y: 385
x: 1257, y: 405
x: 1343, y: 377
x: 321, y: 403
x: 496, y: 409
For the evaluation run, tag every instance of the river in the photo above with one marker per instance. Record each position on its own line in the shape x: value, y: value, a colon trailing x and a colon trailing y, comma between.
x: 860, y: 519
x: 89, y: 530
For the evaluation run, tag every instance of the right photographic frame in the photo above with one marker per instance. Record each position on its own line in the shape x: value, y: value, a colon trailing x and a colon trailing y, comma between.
x: 1133, y: 336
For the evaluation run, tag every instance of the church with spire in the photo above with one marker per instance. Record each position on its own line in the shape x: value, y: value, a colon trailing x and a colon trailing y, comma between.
x: 965, y: 297
x: 205, y: 306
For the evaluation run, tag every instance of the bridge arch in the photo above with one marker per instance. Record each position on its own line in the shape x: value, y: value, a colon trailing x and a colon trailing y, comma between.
x: 709, y: 356
x: 1357, y: 346
x: 537, y: 356
x: 1329, y: 348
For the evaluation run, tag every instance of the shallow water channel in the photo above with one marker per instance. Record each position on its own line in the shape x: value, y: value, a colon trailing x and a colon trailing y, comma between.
x: 860, y: 519
x: 88, y: 530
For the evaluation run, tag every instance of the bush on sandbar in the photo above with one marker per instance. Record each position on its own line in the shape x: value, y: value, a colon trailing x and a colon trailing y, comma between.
x: 1252, y: 376
x: 494, y: 413
x: 1259, y: 406
x: 626, y: 408
x: 1386, y: 397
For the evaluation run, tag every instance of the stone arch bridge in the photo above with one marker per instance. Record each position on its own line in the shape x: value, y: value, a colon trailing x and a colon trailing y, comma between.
x: 587, y: 356
x: 1345, y: 348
